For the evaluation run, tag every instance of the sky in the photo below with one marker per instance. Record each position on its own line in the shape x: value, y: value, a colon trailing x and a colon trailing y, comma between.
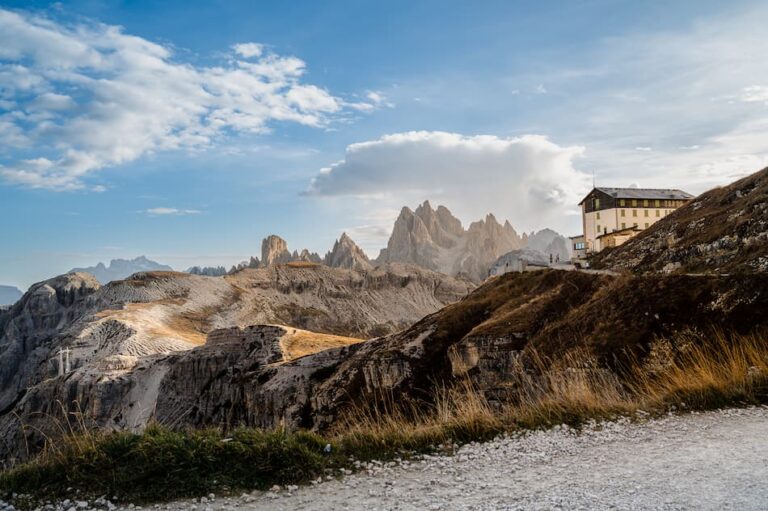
x: 188, y: 131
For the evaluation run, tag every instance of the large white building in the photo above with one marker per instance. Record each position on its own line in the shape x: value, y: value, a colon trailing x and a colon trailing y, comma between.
x: 610, y: 216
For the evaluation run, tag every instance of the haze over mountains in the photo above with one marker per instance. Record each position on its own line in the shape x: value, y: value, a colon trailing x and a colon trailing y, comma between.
x: 119, y: 269
x: 433, y: 239
x: 9, y: 295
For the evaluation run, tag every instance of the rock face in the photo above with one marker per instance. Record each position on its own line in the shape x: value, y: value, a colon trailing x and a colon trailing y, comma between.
x: 346, y: 254
x: 118, y: 334
x: 119, y: 269
x: 436, y: 240
x: 9, y: 295
x: 274, y: 250
x: 724, y: 230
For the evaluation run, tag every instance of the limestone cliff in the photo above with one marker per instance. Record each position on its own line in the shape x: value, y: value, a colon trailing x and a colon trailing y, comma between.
x: 436, y: 240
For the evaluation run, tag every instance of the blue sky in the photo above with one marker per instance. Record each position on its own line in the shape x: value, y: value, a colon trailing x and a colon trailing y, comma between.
x: 188, y: 131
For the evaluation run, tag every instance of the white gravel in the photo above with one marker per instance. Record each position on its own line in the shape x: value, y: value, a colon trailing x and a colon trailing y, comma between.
x: 715, y: 460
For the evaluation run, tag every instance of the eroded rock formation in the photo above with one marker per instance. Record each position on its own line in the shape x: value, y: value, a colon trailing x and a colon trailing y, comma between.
x: 436, y: 240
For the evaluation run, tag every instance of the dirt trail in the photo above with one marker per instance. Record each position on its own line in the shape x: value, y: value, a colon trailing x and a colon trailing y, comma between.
x: 716, y: 460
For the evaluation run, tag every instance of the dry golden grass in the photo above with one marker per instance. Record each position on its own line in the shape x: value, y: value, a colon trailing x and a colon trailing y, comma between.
x: 299, y: 343
x: 302, y: 264
x: 700, y: 375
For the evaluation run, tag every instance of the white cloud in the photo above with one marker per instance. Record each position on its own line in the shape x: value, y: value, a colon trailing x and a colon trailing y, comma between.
x: 374, y: 100
x: 170, y: 211
x: 88, y: 96
x: 755, y: 93
x: 529, y: 180
x: 249, y: 50
x: 643, y: 148
x: 540, y: 89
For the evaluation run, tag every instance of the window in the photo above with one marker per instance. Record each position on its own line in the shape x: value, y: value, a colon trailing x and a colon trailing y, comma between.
x: 647, y: 213
x: 598, y: 215
x: 634, y: 203
x: 634, y: 212
x: 658, y: 203
x: 646, y: 225
x: 658, y: 212
x: 598, y: 229
x: 597, y: 203
x: 623, y: 212
x: 635, y: 224
x: 622, y: 202
x: 645, y: 203
x: 578, y: 246
x: 623, y: 225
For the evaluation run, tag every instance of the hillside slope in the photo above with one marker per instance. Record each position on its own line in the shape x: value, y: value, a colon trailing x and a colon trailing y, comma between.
x: 251, y: 375
x: 113, y: 329
x: 724, y: 230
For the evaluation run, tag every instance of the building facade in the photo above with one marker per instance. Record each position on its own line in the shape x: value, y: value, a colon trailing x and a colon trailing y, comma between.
x: 627, y: 211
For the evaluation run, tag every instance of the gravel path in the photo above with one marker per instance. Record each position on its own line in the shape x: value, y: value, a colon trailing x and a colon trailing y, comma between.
x: 716, y: 460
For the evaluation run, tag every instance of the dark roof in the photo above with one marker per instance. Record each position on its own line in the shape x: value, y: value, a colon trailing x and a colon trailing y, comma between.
x: 643, y: 193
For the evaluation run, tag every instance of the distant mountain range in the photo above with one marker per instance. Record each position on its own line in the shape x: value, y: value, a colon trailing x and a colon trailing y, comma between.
x: 433, y: 239
x: 436, y: 240
x: 120, y: 269
x: 9, y: 295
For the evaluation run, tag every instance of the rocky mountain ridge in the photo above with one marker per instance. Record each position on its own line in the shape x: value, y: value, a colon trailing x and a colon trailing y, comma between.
x: 435, y: 239
x: 120, y: 269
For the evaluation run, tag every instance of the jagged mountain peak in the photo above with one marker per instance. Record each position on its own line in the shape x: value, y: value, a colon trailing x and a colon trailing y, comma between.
x: 120, y: 269
x: 435, y: 239
x: 346, y: 254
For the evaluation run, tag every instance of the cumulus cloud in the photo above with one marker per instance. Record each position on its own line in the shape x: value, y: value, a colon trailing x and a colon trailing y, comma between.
x: 529, y: 179
x: 78, y: 98
x: 170, y: 211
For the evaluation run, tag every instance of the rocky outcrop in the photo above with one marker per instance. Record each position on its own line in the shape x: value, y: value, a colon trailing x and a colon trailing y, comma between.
x: 208, y: 271
x: 436, y: 240
x: 274, y: 250
x: 346, y: 254
x: 253, y: 262
x: 28, y: 331
x: 119, y: 269
x: 724, y: 230
x: 9, y: 295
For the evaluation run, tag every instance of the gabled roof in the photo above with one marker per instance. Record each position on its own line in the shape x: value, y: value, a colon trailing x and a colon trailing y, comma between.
x: 642, y: 193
